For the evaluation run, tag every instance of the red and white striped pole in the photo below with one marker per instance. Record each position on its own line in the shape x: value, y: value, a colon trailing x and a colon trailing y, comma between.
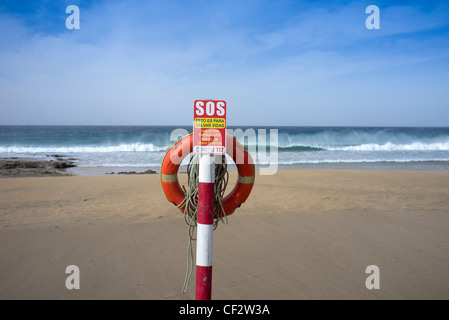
x: 205, y: 228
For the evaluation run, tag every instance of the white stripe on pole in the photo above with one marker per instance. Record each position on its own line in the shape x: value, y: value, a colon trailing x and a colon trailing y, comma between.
x: 207, y: 169
x: 204, y: 245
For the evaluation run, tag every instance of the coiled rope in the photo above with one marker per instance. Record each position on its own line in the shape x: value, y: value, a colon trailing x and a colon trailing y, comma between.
x: 191, y: 200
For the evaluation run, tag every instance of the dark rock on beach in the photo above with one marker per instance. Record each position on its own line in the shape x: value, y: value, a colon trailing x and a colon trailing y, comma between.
x: 24, y: 168
x: 134, y: 172
x: 56, y: 155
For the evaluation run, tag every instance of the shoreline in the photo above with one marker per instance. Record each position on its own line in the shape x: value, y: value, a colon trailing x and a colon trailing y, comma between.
x: 59, y: 167
x: 64, y: 166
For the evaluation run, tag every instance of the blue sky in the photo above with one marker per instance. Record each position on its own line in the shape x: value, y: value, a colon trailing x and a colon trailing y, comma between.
x: 303, y: 63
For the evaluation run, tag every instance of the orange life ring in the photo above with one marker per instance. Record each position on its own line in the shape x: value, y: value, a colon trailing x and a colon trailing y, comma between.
x: 174, y: 156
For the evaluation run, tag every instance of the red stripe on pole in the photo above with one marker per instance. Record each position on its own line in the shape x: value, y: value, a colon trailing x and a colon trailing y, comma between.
x: 205, y: 203
x: 203, y: 283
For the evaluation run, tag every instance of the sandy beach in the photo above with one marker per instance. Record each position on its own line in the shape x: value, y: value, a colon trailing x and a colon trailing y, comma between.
x: 302, y: 234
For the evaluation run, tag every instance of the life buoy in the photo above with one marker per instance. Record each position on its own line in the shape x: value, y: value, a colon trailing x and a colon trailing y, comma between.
x: 174, y: 156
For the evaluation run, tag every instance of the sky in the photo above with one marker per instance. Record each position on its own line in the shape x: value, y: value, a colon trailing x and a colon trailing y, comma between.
x: 275, y: 63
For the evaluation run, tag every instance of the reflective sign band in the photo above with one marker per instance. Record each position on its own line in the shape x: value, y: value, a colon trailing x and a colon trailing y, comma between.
x: 169, y: 177
x: 248, y: 180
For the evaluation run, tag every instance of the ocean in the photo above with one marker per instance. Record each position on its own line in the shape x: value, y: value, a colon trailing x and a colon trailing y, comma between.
x: 104, y: 149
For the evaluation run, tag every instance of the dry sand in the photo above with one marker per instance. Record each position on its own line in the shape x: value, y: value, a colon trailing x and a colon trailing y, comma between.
x: 302, y: 234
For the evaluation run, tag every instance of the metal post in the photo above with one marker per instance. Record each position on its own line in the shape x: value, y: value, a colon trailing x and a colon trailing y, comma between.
x: 206, y: 183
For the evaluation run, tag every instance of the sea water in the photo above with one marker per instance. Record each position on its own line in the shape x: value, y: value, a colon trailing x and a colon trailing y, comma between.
x: 109, y: 148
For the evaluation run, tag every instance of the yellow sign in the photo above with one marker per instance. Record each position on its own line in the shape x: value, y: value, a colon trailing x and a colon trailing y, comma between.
x: 215, y: 123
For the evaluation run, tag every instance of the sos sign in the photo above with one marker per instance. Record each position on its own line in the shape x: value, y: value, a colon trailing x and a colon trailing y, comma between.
x: 209, y: 126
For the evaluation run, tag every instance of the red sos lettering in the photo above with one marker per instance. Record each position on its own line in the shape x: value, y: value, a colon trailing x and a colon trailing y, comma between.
x: 210, y: 108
